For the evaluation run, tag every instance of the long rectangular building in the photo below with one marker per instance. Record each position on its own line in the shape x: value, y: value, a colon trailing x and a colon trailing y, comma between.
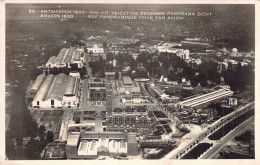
x: 90, y: 145
x: 57, y: 91
x: 66, y: 58
x: 36, y: 85
x: 206, y: 98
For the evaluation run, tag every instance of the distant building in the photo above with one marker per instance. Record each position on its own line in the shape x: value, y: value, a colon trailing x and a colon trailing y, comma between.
x: 110, y: 75
x: 232, y: 101
x: 135, y: 55
x: 244, y: 63
x: 224, y: 87
x: 127, y: 86
x: 183, y: 54
x: 167, y: 99
x: 122, y: 41
x: 196, y: 61
x: 195, y: 43
x: 233, y: 62
x: 169, y: 47
x: 222, y: 66
x: 187, y: 87
x: 67, y: 58
x: 95, y: 48
x: 95, y: 51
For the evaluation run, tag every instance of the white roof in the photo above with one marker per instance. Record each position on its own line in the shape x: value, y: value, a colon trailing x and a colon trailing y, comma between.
x: 57, y: 87
x: 207, y: 97
x: 37, y: 83
x: 41, y: 94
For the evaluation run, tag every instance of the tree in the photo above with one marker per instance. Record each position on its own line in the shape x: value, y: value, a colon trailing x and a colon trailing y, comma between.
x: 239, y: 77
x: 143, y: 58
x: 104, y: 44
x: 49, y: 136
x: 79, y: 34
x: 41, y: 132
x: 116, y: 75
x: 110, y: 56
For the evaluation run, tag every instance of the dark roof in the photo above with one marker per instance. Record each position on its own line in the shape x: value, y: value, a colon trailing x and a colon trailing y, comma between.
x: 117, y: 110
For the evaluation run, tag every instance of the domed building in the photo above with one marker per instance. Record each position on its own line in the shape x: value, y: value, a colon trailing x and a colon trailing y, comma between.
x: 234, y: 50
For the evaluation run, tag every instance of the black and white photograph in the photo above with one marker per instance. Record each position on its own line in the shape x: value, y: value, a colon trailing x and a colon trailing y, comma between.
x: 129, y: 81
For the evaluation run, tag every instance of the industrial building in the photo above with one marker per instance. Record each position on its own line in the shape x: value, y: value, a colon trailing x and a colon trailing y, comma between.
x: 90, y: 145
x: 56, y: 91
x: 67, y: 58
x: 206, y: 98
x: 127, y: 86
x: 36, y: 85
x: 71, y: 93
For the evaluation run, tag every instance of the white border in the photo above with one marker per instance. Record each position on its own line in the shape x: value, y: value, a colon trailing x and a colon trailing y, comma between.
x: 151, y: 162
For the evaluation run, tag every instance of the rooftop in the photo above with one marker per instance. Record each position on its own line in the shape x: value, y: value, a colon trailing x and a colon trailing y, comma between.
x: 127, y: 81
x: 57, y: 87
x: 41, y: 94
x: 37, y: 83
x: 73, y: 139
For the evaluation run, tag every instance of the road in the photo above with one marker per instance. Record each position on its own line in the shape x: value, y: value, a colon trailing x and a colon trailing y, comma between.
x: 84, y: 93
x: 67, y: 118
x: 147, y: 93
x: 213, y: 152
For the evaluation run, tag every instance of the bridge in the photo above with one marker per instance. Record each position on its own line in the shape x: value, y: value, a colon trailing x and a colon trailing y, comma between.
x: 156, y: 142
x: 179, y: 153
x: 214, y: 150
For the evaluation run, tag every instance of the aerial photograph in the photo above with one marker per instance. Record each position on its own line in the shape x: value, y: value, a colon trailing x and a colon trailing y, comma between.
x: 129, y: 81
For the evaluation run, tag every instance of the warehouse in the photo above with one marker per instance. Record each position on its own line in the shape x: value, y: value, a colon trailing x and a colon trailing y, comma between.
x: 36, y: 85
x: 71, y: 94
x: 66, y: 58
x: 60, y: 58
x: 57, y: 92
x: 54, y: 97
x: 90, y: 145
x: 41, y: 94
x: 51, y: 62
